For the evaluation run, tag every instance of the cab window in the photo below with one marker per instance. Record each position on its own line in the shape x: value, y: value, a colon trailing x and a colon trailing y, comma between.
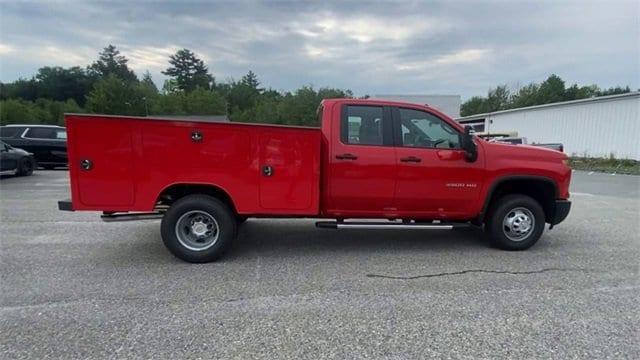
x: 362, y: 125
x: 424, y: 130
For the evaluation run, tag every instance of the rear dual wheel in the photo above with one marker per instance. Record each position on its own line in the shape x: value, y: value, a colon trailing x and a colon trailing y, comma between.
x: 198, y: 228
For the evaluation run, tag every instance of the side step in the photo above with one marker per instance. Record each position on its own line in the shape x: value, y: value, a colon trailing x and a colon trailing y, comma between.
x: 388, y: 225
x: 108, y: 217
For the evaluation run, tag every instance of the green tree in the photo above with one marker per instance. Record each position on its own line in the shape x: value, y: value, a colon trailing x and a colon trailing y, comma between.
x: 251, y: 80
x: 551, y: 90
x: 19, y: 89
x: 149, y: 92
x: 614, y: 91
x: 113, y: 95
x: 498, y: 98
x: 21, y: 111
x: 57, y: 83
x: 475, y: 105
x: 188, y: 71
x: 42, y: 111
x: 110, y: 62
x: 525, y: 96
x: 204, y: 102
x: 148, y: 84
x: 574, y: 92
x: 171, y: 103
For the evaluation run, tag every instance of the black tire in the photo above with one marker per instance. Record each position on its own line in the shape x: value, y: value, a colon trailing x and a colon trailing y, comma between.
x: 511, y: 208
x: 25, y: 166
x: 198, y: 204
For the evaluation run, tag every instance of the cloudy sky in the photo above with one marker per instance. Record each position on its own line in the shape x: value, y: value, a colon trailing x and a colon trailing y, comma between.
x: 423, y: 47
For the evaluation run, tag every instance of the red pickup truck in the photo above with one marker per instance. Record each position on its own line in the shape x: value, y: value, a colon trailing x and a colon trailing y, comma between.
x: 398, y: 165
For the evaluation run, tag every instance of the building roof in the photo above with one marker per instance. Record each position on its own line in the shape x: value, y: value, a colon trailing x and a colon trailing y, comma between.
x: 556, y: 104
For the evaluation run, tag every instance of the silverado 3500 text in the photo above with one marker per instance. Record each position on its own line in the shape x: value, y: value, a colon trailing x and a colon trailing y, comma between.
x: 407, y: 165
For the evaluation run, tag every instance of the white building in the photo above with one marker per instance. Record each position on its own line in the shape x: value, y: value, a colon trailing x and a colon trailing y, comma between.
x: 596, y: 127
x: 448, y: 104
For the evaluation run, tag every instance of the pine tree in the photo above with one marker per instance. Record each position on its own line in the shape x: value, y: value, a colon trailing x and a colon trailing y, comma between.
x: 188, y: 71
x: 111, y: 62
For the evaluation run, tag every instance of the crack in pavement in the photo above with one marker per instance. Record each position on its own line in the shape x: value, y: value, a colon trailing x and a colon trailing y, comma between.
x: 462, y: 272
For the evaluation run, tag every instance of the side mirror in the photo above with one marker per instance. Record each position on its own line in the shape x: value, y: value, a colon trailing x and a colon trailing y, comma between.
x: 470, y: 148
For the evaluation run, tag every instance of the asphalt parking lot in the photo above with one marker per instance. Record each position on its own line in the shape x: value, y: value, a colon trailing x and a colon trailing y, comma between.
x: 75, y: 287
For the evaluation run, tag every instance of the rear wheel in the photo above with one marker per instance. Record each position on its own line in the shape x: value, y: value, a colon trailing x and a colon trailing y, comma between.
x: 25, y: 166
x: 198, y: 228
x: 516, y: 222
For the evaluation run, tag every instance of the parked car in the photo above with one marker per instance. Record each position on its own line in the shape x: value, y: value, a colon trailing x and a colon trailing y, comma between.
x: 410, y: 166
x: 16, y: 161
x: 48, y: 143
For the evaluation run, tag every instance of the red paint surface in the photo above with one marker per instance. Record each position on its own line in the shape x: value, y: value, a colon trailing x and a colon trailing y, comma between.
x: 135, y: 159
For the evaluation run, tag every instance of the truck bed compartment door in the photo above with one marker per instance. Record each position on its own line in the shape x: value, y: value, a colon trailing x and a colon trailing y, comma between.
x: 289, y: 170
x: 103, y: 162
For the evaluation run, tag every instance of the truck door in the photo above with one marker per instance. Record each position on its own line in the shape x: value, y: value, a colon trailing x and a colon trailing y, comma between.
x: 104, y: 161
x: 361, y: 164
x: 433, y: 177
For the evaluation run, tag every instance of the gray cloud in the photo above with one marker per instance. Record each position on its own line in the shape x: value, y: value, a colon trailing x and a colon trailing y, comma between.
x: 462, y: 47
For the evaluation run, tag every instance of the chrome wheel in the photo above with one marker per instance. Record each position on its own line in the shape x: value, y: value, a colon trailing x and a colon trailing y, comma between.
x: 518, y: 224
x: 197, y: 230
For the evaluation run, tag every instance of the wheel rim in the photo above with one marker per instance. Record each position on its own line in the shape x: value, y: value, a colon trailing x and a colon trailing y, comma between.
x: 197, y: 230
x: 518, y: 224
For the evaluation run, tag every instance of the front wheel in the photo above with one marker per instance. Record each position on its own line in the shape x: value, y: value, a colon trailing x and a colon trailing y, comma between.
x: 25, y: 166
x: 198, y: 228
x: 515, y: 223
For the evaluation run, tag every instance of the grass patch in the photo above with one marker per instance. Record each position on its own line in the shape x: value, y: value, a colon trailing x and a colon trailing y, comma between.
x: 607, y: 165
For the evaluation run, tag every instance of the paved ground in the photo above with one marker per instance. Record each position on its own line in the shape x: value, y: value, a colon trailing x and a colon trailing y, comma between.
x: 74, y: 287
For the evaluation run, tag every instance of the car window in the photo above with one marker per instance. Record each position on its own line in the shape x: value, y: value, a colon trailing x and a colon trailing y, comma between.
x: 362, y: 125
x: 11, y: 131
x: 41, y: 133
x: 422, y: 129
x: 61, y: 134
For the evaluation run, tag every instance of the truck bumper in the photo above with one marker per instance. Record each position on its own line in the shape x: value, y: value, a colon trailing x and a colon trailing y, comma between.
x: 562, y: 211
x: 65, y: 205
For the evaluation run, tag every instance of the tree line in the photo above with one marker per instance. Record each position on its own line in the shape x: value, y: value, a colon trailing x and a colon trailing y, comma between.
x: 109, y: 86
x: 551, y: 90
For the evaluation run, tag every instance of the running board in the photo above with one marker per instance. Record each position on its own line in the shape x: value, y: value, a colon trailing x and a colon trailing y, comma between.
x: 387, y: 225
x: 131, y: 216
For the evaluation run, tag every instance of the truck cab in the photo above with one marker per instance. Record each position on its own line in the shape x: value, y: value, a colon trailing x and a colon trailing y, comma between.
x: 406, y: 165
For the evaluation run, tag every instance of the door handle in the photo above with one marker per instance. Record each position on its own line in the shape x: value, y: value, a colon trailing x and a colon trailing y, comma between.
x: 411, y: 159
x: 346, y: 157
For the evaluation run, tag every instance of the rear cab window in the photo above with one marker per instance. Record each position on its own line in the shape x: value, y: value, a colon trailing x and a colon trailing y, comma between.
x: 362, y: 125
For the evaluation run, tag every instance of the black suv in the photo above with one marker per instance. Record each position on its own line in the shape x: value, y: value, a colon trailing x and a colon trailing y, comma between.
x: 48, y: 143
